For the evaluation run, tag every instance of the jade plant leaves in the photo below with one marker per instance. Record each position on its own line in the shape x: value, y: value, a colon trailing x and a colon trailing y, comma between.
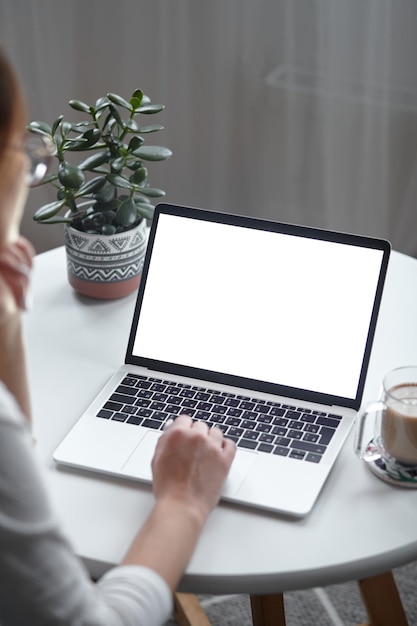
x: 105, y: 188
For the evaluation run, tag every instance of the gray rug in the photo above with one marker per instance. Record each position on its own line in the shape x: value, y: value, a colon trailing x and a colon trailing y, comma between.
x: 337, y: 605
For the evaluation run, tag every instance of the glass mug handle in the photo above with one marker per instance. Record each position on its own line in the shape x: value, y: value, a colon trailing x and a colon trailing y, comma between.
x: 371, y: 410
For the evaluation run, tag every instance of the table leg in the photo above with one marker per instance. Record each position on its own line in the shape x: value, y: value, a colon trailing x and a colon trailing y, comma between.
x: 188, y: 611
x: 268, y: 610
x: 382, y: 600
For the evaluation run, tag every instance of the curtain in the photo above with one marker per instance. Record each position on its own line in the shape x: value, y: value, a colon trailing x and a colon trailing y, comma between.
x: 294, y: 110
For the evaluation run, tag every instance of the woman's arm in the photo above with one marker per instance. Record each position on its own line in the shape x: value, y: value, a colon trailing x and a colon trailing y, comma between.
x: 15, y: 266
x: 190, y: 465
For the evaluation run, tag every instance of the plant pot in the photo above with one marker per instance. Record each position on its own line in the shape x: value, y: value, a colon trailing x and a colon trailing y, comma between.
x: 105, y: 266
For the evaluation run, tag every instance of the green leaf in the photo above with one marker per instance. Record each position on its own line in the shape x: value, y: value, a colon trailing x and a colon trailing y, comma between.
x: 106, y: 193
x: 131, y: 125
x: 137, y: 96
x: 153, y: 128
x: 56, y: 124
x: 78, y: 105
x: 48, y: 179
x: 40, y: 127
x: 119, y: 181
x: 135, y: 143
x: 70, y: 176
x: 107, y: 207
x: 101, y: 103
x: 139, y: 176
x: 119, y: 101
x: 85, y: 141
x: 151, y: 192
x: 108, y: 229
x: 145, y: 210
x: 75, y: 145
x: 48, y: 210
x: 91, y: 186
x: 115, y: 113
x: 149, y: 109
x: 126, y: 214
x: 95, y: 160
x: 66, y: 127
x: 153, y: 153
x: 59, y: 219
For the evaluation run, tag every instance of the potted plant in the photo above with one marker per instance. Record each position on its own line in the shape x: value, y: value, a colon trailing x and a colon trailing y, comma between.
x: 102, y: 191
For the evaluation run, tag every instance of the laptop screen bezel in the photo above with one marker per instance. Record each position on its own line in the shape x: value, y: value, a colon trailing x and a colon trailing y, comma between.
x: 239, y: 381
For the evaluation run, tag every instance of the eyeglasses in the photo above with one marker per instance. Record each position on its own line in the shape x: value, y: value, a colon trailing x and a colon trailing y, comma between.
x: 39, y: 150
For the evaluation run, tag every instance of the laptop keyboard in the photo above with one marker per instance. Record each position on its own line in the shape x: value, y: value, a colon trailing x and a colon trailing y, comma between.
x: 262, y: 425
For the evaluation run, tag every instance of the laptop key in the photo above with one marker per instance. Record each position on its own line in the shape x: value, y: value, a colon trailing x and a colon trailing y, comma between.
x: 159, y: 415
x: 251, y: 434
x: 327, y: 421
x: 123, y: 398
x: 144, y: 412
x: 120, y: 417
x: 136, y: 421
x: 129, y: 408
x: 219, y: 408
x: 148, y: 423
x: 158, y: 387
x: 247, y: 443
x: 295, y: 434
x: 263, y: 428
x: 313, y: 458
x: 128, y: 380
x: 265, y: 447
x: 173, y: 409
x: 233, y: 421
x: 308, y: 447
x: 234, y: 431
x: 218, y: 418
x: 297, y: 454
x: 105, y: 414
x: 326, y: 434
x: 266, y: 438
x: 113, y: 406
x: 279, y: 431
x: 281, y: 451
x: 283, y: 441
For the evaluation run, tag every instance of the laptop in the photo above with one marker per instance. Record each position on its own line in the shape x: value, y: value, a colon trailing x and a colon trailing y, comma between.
x: 262, y: 328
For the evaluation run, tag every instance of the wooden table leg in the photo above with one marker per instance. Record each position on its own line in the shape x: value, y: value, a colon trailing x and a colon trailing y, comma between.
x: 188, y: 611
x: 268, y: 610
x: 382, y: 600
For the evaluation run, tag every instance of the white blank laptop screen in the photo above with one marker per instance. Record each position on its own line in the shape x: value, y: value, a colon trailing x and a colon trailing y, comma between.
x: 262, y: 305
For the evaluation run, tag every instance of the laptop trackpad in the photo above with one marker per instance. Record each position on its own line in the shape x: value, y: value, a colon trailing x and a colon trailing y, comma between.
x: 138, y: 464
x: 241, y: 465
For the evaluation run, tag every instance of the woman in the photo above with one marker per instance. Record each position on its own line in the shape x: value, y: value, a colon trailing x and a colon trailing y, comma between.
x: 42, y: 581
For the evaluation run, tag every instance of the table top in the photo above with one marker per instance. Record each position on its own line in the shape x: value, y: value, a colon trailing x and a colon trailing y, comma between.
x: 360, y: 526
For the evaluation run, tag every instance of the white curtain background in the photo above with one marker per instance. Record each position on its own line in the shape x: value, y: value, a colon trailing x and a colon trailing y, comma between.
x: 296, y: 110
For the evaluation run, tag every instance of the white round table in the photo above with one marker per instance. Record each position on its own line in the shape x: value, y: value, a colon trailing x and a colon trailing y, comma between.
x: 359, y: 527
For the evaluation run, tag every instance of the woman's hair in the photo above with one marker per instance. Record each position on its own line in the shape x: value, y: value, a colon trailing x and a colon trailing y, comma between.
x: 12, y: 113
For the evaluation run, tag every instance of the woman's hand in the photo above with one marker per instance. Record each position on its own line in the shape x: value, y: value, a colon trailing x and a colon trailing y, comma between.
x: 16, y: 260
x: 191, y: 463
x: 189, y: 468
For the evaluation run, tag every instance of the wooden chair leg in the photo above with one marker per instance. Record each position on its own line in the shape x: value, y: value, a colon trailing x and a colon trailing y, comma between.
x: 268, y: 610
x: 382, y: 600
x: 188, y: 611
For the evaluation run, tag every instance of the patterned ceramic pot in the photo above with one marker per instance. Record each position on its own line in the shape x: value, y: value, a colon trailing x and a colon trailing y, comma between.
x: 105, y: 266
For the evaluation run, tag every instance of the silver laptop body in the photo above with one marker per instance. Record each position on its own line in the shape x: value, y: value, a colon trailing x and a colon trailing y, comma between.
x: 262, y: 328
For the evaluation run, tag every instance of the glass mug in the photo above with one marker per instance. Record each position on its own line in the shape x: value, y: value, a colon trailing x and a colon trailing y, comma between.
x: 395, y: 424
